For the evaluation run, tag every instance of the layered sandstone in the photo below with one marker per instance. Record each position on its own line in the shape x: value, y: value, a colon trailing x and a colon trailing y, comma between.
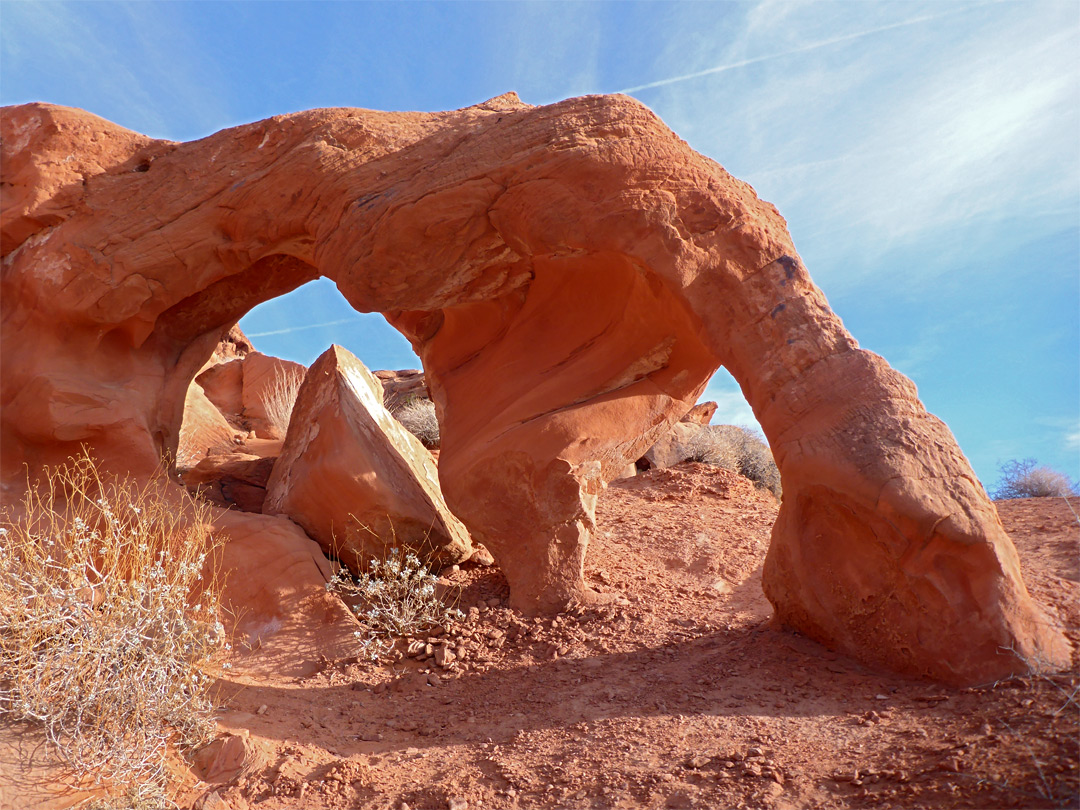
x: 571, y: 276
x: 250, y: 387
x: 401, y: 387
x: 700, y: 414
x: 357, y: 481
x: 203, y: 429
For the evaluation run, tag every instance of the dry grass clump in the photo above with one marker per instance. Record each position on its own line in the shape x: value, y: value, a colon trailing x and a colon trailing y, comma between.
x: 394, y: 598
x: 109, y: 623
x: 1026, y: 479
x: 418, y: 417
x: 279, y: 399
x: 740, y: 450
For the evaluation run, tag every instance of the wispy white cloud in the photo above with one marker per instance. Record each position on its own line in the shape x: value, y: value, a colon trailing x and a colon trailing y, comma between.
x: 290, y: 329
x: 871, y: 132
x: 1072, y: 440
x: 813, y: 46
x: 134, y: 63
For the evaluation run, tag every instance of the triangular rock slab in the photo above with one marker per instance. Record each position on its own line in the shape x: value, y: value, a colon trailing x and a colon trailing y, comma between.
x: 355, y: 479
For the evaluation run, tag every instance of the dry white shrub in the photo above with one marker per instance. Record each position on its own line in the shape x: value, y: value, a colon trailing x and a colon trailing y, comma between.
x: 396, y: 597
x: 1026, y: 479
x: 109, y: 623
x: 740, y: 450
x: 279, y: 399
x: 418, y: 417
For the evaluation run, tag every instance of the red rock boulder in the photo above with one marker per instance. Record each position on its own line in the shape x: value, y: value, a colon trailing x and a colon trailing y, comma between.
x: 355, y: 479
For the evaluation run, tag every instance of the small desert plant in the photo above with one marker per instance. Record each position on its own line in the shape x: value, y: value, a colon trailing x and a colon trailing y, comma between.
x: 1026, y: 479
x: 109, y: 623
x: 397, y: 598
x: 279, y: 398
x: 740, y: 450
x: 418, y: 417
x: 713, y: 446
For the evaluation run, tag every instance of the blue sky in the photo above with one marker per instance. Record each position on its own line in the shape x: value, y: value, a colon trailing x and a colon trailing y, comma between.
x: 926, y: 155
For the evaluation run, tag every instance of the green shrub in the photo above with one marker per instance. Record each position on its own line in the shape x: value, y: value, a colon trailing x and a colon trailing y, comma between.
x: 1027, y: 479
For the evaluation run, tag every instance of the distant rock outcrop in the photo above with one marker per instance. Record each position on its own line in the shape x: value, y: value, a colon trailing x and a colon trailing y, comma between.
x: 700, y: 414
x: 676, y: 446
x: 571, y: 276
x: 401, y: 387
x: 249, y: 388
x: 204, y: 428
x: 356, y: 480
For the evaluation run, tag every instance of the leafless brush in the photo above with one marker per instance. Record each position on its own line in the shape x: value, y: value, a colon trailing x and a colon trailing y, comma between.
x: 109, y: 623
x: 1026, y: 479
x: 394, y: 597
x: 279, y: 398
x: 740, y: 450
x: 418, y: 417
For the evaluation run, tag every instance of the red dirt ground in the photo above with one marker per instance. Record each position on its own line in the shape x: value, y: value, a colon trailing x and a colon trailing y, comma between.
x: 683, y: 695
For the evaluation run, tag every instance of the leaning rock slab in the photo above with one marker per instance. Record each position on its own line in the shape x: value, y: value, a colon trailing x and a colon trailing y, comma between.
x: 355, y: 479
x: 203, y: 429
x: 265, y: 380
x: 243, y: 389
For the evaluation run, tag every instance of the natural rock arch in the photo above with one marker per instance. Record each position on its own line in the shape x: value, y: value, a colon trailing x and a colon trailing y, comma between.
x: 571, y: 276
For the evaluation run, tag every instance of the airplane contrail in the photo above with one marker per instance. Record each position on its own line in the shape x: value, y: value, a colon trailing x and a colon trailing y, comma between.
x: 299, y: 328
x: 811, y: 47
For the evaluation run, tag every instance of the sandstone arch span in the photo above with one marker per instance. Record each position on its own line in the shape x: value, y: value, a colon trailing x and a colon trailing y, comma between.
x: 570, y: 275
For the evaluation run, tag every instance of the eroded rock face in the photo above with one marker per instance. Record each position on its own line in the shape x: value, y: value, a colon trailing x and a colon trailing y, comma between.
x: 356, y: 480
x: 676, y: 446
x: 571, y: 276
x: 203, y: 429
x: 400, y: 387
x: 246, y: 388
x: 700, y: 414
x: 232, y: 479
x: 276, y: 584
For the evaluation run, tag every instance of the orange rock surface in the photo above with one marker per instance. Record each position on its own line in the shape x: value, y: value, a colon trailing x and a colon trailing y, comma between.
x: 203, y: 429
x: 701, y: 414
x: 571, y: 276
x: 354, y: 478
x: 240, y: 388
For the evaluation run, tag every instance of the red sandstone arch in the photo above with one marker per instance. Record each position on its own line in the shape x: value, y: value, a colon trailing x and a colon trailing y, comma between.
x: 571, y: 276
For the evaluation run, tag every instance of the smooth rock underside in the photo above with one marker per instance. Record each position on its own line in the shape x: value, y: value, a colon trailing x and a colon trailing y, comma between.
x: 570, y: 276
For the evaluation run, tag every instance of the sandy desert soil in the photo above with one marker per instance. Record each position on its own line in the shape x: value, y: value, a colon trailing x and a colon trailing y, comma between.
x: 680, y: 695
x: 683, y: 695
